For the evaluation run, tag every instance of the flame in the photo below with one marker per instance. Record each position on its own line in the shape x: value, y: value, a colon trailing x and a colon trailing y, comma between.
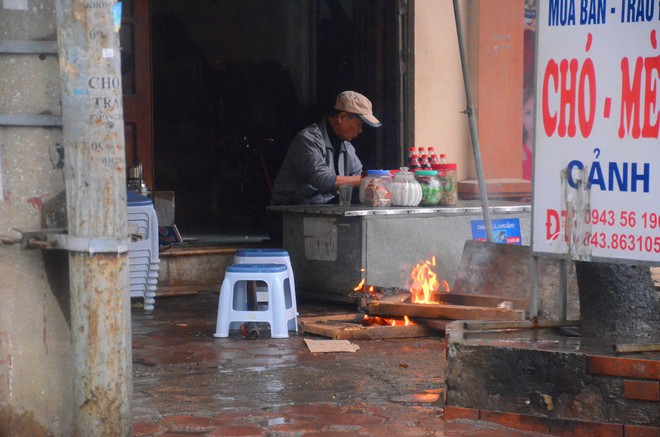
x: 360, y: 287
x: 424, y: 287
x: 398, y: 322
x: 425, y: 282
x: 384, y: 321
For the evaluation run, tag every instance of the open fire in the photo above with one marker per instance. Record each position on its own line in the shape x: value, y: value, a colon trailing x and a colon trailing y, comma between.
x: 386, y: 312
x: 424, y: 287
x: 425, y: 284
x: 386, y: 321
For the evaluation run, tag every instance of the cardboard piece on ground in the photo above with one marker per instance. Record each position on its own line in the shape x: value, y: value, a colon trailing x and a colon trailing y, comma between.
x: 331, y: 346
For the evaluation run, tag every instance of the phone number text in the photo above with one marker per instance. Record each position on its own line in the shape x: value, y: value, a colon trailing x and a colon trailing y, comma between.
x: 626, y: 219
x: 633, y: 243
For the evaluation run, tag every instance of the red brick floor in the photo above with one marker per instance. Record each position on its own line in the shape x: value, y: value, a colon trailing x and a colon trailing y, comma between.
x: 186, y: 382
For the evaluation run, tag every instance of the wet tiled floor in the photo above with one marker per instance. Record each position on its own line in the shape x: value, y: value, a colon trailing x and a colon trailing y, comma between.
x: 186, y: 382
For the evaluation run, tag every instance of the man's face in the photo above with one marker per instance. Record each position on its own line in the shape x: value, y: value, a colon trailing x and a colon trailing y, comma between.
x: 348, y: 126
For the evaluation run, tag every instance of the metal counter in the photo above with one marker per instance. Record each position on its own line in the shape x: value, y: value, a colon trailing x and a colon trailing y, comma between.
x: 334, y: 247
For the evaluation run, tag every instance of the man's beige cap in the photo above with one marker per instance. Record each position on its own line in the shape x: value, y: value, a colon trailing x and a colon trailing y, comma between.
x: 356, y: 103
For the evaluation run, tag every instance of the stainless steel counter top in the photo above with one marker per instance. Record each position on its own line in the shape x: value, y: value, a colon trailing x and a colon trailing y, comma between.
x: 358, y: 210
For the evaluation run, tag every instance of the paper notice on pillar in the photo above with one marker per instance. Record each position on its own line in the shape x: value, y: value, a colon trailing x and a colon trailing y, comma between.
x: 17, y: 5
x: 320, y: 238
x: 597, y: 120
x: 331, y: 346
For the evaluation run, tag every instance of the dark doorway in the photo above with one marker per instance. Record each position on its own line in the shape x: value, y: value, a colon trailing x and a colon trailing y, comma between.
x: 234, y: 80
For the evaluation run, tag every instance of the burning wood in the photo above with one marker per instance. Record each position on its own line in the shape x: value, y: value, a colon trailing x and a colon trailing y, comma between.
x: 376, y: 292
x: 444, y: 311
x: 429, y: 300
x: 367, y: 293
x: 481, y: 300
x: 351, y: 327
x: 424, y: 287
x: 386, y: 321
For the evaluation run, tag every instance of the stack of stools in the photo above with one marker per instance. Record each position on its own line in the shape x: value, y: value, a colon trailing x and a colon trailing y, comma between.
x: 275, y: 291
x: 143, y: 258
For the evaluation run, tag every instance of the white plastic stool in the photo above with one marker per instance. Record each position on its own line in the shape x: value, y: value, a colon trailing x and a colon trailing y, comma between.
x: 144, y: 253
x: 232, y: 306
x: 269, y: 256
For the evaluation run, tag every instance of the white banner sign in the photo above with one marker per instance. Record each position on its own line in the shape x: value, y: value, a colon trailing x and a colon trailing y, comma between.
x: 597, y: 148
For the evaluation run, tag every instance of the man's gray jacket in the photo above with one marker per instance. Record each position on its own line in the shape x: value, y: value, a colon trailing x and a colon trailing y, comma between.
x: 308, y: 174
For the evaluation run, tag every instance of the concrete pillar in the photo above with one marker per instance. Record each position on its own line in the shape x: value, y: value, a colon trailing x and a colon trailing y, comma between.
x: 95, y: 179
x: 35, y: 351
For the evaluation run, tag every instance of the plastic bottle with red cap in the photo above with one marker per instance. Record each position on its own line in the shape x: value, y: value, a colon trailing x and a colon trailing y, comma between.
x: 424, y: 163
x: 433, y: 157
x: 423, y: 159
x: 413, y: 160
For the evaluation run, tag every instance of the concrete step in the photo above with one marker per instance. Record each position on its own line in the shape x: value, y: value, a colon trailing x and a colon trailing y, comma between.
x: 187, y: 268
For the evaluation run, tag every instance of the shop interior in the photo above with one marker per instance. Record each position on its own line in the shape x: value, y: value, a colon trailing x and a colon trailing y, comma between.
x: 234, y: 80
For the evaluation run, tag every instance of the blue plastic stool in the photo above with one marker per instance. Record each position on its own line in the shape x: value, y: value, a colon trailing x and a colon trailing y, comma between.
x: 269, y: 256
x: 280, y: 312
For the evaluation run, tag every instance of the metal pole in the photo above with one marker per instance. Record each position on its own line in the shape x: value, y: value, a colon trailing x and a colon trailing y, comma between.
x: 563, y: 289
x: 534, y: 284
x: 95, y: 179
x: 474, y: 133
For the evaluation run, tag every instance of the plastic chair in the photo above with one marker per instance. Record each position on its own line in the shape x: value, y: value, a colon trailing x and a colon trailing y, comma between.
x: 143, y: 254
x: 269, y: 256
x: 280, y: 311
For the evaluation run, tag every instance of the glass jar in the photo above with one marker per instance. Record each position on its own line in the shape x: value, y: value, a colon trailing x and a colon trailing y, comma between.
x: 449, y: 184
x: 406, y: 191
x: 370, y: 176
x: 377, y: 191
x: 431, y: 189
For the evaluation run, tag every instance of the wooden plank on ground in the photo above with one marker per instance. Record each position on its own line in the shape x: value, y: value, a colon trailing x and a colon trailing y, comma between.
x: 440, y: 311
x: 343, y: 327
x: 524, y: 324
x: 182, y: 290
x: 479, y: 300
x: 348, y: 318
x: 437, y: 324
x: 636, y: 347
